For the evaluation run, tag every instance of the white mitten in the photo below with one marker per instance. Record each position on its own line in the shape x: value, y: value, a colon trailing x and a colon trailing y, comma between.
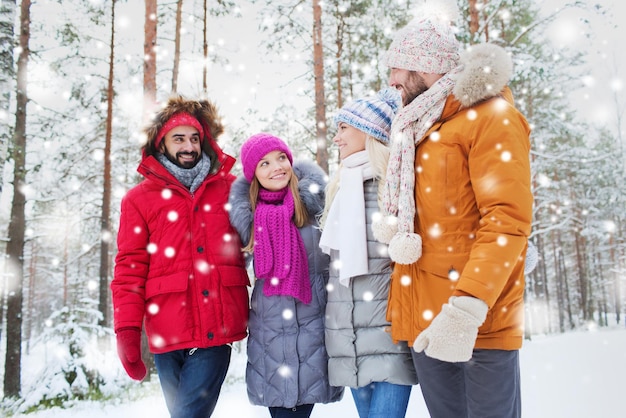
x: 452, y: 334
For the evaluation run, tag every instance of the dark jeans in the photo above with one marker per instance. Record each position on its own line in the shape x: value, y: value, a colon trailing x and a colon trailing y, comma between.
x: 191, y: 380
x: 487, y: 386
x: 300, y: 411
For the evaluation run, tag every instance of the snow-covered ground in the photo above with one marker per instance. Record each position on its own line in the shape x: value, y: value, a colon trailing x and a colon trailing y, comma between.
x: 573, y: 375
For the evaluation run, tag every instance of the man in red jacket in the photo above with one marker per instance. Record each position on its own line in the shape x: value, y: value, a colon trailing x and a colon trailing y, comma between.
x: 179, y: 268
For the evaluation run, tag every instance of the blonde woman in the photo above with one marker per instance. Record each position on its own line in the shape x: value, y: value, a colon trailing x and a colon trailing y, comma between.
x: 362, y: 355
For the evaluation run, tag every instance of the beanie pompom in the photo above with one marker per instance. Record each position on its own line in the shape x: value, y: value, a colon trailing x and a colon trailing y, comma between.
x: 405, y: 248
x: 384, y: 228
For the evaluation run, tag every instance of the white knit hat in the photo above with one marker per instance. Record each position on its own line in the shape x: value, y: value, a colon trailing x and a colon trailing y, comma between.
x: 427, y: 46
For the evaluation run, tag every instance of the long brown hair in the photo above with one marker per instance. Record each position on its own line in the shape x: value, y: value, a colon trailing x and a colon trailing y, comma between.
x: 300, y: 216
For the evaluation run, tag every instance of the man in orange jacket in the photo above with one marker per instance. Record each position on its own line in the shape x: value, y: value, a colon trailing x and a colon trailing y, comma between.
x: 457, y: 214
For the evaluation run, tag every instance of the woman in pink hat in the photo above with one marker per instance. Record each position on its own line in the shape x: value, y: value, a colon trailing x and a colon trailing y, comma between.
x: 273, y: 208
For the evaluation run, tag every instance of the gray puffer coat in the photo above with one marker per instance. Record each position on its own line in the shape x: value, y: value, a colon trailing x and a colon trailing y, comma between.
x: 287, y: 360
x: 357, y: 339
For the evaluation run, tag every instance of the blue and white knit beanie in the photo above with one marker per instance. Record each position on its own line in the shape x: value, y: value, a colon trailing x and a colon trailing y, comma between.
x: 372, y: 115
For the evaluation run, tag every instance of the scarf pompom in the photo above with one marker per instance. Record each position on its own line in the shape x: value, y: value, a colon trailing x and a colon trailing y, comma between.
x: 405, y: 247
x: 384, y: 228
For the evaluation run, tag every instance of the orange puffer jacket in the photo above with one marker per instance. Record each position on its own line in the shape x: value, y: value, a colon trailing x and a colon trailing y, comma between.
x: 474, y: 210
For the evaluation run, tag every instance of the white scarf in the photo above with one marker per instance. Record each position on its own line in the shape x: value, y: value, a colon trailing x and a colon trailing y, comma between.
x: 345, y: 229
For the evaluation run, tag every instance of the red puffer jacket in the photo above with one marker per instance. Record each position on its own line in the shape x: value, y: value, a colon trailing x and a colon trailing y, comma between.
x: 179, y: 263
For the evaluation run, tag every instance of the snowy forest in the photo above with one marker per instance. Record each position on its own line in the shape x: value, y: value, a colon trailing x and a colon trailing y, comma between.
x: 80, y: 77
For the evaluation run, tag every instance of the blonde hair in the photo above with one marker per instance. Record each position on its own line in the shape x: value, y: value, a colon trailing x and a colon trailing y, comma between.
x: 378, y: 154
x: 300, y: 216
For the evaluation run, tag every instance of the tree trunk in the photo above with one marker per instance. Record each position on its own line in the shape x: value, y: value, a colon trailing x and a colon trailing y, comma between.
x: 320, y: 99
x: 179, y: 12
x: 558, y: 277
x: 338, y: 56
x: 205, y: 52
x: 617, y: 298
x: 7, y: 73
x: 17, y: 224
x: 105, y: 218
x: 473, y: 23
x: 542, y: 273
x: 583, y: 284
x: 7, y: 76
x: 149, y: 94
x: 149, y: 62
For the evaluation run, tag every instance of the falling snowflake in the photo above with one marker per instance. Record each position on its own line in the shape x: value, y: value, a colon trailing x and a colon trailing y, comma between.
x: 166, y: 194
x: 172, y: 216
x: 153, y: 308
x: 157, y: 341
x: 405, y: 280
x: 284, y: 371
x: 202, y: 266
x: 314, y: 188
x: 287, y: 314
x: 427, y: 314
x: 434, y: 231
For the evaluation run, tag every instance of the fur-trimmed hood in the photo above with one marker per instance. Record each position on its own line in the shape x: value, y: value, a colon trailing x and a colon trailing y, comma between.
x: 311, y: 185
x: 205, y: 111
x: 487, y: 68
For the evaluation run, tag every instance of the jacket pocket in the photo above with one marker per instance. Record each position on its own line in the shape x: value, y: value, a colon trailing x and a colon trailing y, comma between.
x: 167, y: 284
x: 168, y: 317
x: 234, y: 282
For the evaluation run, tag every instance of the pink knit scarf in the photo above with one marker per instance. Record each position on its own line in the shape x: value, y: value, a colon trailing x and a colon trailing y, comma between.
x: 279, y: 253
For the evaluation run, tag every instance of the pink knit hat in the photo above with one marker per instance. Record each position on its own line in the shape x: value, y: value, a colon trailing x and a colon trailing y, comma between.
x: 427, y: 46
x: 256, y: 147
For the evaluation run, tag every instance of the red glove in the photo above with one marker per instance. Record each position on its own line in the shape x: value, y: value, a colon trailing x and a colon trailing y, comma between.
x: 129, y: 351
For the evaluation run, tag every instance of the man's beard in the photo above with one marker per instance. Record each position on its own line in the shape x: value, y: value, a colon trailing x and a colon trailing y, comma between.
x: 186, y: 164
x: 415, y: 86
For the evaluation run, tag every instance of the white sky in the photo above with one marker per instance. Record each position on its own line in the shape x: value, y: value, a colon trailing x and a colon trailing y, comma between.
x: 252, y: 80
x: 607, y: 62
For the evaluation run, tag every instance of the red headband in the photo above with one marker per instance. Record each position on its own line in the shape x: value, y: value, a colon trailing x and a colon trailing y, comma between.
x: 179, y: 119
